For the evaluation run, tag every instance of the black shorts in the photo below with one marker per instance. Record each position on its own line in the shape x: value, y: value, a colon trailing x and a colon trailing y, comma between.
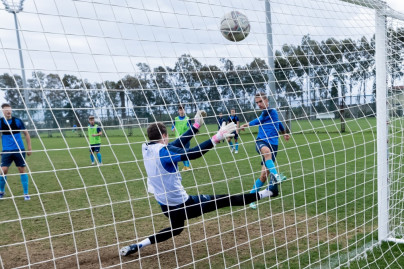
x: 95, y: 148
x: 7, y: 159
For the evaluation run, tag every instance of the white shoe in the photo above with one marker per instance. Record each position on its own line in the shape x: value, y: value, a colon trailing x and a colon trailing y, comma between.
x: 93, y: 163
x: 235, y: 152
x: 27, y: 197
x: 232, y: 149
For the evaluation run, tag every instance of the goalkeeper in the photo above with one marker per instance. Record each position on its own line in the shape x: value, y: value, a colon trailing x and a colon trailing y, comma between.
x: 164, y: 180
x: 267, y: 141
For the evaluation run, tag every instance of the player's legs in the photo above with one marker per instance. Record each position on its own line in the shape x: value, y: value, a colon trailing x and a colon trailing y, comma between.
x: 231, y: 144
x: 266, y: 153
x: 177, y: 216
x: 92, y: 155
x: 194, y: 207
x: 6, y: 160
x: 235, y: 142
x: 259, y: 183
x: 97, y: 150
x: 186, y: 163
x: 19, y: 159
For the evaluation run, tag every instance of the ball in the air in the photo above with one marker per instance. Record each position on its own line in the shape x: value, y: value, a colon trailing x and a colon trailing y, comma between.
x: 235, y: 26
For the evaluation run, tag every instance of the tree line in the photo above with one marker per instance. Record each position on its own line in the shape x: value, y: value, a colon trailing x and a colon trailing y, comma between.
x: 321, y: 70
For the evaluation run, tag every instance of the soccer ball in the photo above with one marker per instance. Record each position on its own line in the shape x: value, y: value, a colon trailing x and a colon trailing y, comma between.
x: 235, y: 26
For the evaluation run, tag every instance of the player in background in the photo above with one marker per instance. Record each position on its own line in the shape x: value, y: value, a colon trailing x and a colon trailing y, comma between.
x: 233, y: 118
x: 13, y: 149
x: 164, y: 180
x: 94, y: 136
x: 220, y: 121
x: 267, y: 141
x: 181, y: 124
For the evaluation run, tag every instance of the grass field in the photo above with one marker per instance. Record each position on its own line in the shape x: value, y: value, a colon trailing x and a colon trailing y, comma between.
x: 80, y: 215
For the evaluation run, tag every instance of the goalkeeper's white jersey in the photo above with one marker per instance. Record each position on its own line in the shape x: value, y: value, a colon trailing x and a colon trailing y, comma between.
x: 165, y: 186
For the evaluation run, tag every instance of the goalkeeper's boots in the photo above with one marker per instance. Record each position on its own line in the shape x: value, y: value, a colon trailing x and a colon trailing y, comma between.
x: 253, y: 205
x: 125, y: 251
x: 1, y: 195
x: 280, y: 178
x: 273, y: 185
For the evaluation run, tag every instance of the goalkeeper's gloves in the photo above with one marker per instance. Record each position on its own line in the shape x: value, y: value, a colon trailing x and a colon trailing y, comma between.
x: 199, y: 118
x: 224, y: 132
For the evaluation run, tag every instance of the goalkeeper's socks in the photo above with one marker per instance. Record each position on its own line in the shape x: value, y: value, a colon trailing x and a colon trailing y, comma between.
x: 257, y: 186
x: 92, y: 158
x: 99, y: 157
x: 236, y: 146
x: 24, y: 182
x: 271, y: 167
x: 265, y: 193
x: 144, y: 243
x: 231, y: 144
x: 2, y: 183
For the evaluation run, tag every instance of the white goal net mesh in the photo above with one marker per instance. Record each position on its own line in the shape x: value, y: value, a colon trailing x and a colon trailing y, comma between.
x: 132, y: 63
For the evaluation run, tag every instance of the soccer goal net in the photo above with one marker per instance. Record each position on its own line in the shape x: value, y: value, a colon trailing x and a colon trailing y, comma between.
x: 85, y: 78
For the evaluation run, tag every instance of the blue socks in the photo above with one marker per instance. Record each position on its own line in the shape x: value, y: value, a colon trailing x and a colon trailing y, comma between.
x: 99, y: 157
x: 186, y: 163
x: 92, y: 157
x: 237, y: 146
x: 231, y: 144
x: 257, y: 186
x: 271, y: 166
x: 2, y: 183
x: 24, y: 182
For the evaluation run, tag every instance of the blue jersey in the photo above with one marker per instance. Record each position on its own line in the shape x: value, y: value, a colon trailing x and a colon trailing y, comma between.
x: 269, y: 126
x: 233, y: 119
x: 12, y: 141
x: 220, y: 121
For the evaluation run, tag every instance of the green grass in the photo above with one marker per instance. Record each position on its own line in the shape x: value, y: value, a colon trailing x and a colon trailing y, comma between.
x: 79, y: 213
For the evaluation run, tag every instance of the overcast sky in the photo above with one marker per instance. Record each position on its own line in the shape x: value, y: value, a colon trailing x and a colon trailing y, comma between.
x: 104, y: 39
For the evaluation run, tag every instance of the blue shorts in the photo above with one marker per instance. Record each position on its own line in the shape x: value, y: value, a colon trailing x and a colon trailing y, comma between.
x: 7, y: 159
x: 259, y: 144
x: 235, y: 135
x: 95, y: 148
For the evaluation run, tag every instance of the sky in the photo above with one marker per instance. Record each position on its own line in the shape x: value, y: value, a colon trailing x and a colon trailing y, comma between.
x: 104, y: 39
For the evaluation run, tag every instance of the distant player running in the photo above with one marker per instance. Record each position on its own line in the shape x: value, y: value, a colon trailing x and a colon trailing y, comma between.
x: 267, y: 141
x: 94, y: 136
x: 181, y: 124
x: 233, y: 118
x: 13, y: 149
x: 164, y: 180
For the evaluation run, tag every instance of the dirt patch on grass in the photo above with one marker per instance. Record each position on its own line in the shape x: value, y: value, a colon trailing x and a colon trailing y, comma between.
x: 243, y: 235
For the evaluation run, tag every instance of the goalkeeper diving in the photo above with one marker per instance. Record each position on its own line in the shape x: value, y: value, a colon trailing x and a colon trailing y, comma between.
x: 164, y: 180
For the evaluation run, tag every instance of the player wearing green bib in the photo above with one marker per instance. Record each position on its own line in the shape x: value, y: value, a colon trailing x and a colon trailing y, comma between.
x: 94, y: 136
x: 182, y: 124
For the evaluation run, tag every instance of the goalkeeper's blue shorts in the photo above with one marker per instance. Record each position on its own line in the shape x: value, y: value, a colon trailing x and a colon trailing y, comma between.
x: 259, y: 144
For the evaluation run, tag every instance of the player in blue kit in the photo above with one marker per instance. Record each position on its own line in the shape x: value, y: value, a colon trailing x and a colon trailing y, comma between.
x: 164, y: 180
x: 267, y: 141
x: 13, y: 148
x: 220, y: 121
x: 233, y: 118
